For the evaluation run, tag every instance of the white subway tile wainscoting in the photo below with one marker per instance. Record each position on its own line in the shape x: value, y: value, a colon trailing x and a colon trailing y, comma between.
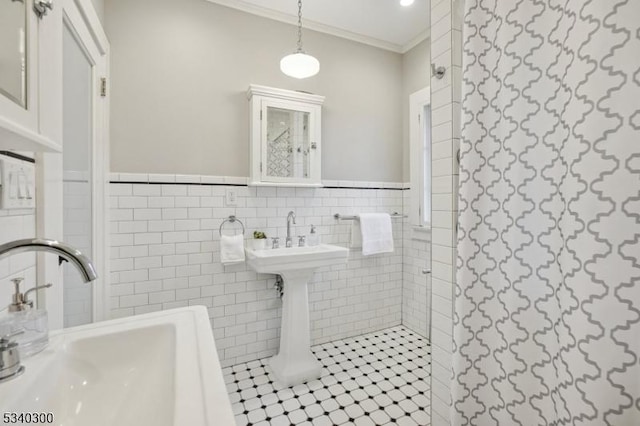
x: 165, y: 254
x: 369, y: 318
x: 16, y: 225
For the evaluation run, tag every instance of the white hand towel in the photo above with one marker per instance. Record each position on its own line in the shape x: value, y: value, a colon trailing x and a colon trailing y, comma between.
x: 231, y: 249
x: 377, y: 235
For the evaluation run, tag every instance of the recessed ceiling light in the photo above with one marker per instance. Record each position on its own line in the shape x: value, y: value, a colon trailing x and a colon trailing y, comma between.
x: 406, y: 2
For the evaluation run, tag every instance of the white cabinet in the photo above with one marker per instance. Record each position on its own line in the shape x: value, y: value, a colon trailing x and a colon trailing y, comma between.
x: 24, y: 62
x: 285, y: 137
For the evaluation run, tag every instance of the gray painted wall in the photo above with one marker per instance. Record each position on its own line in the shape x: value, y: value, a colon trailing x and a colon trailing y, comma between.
x: 180, y: 70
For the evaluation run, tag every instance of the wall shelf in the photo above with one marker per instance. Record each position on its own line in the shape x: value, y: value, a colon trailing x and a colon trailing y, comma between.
x: 19, y: 138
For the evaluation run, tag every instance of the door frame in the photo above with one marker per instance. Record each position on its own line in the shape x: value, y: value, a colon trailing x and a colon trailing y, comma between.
x: 417, y: 122
x: 80, y: 17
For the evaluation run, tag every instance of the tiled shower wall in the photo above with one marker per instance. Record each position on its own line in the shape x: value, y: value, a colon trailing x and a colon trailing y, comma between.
x: 446, y: 48
x: 165, y: 254
x: 416, y: 286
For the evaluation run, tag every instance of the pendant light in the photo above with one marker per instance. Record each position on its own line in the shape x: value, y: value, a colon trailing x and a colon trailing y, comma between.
x: 299, y: 64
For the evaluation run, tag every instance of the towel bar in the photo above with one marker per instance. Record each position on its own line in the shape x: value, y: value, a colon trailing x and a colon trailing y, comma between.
x: 339, y: 216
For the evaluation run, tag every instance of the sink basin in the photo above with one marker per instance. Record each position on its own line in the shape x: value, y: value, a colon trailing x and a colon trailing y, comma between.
x: 276, y: 261
x: 294, y: 363
x: 156, y: 369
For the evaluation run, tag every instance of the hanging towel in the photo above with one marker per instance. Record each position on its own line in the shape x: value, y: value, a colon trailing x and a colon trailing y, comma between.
x: 377, y: 236
x: 231, y: 249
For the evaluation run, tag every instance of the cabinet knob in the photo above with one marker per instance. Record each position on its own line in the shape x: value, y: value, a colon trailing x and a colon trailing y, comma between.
x: 314, y: 145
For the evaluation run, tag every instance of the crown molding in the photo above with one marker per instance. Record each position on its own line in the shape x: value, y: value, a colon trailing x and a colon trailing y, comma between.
x: 288, y: 95
x: 317, y: 26
x: 415, y: 41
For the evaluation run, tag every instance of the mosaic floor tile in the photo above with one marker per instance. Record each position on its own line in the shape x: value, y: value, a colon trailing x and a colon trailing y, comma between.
x: 380, y: 378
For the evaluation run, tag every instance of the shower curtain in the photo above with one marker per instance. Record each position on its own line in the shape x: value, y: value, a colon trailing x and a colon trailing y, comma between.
x: 547, y: 300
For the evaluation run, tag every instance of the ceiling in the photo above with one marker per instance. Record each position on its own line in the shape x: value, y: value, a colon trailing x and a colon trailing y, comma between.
x: 380, y: 23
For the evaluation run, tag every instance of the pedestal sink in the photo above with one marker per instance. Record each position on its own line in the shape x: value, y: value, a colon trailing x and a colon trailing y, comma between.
x: 294, y: 363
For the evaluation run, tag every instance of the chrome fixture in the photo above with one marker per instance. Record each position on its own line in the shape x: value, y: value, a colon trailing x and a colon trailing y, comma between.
x: 42, y: 7
x: 275, y: 242
x: 231, y: 219
x: 438, y: 72
x: 302, y: 240
x: 10, y: 367
x: 65, y: 251
x: 291, y: 217
x: 339, y: 216
x: 299, y: 64
x: 9, y: 356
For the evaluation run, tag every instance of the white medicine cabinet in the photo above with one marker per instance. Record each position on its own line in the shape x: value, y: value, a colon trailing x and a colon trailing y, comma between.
x: 285, y: 137
x: 28, y: 73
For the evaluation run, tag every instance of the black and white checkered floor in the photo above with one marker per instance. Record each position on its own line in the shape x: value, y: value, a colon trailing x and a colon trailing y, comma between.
x: 380, y: 378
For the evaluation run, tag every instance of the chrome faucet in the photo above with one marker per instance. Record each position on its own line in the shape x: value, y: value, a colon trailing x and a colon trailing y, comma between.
x: 291, y: 217
x: 65, y: 251
x: 9, y: 355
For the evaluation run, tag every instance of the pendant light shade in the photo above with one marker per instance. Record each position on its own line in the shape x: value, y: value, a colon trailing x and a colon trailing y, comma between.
x: 299, y: 64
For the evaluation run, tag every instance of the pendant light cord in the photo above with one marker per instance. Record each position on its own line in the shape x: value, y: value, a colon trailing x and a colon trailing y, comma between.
x: 299, y: 25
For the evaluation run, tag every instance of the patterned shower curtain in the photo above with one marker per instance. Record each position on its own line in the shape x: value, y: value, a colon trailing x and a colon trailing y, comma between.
x: 547, y: 305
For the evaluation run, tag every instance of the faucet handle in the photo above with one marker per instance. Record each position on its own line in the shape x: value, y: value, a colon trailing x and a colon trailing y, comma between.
x: 6, y: 342
x: 275, y: 242
x: 302, y: 240
x: 10, y: 357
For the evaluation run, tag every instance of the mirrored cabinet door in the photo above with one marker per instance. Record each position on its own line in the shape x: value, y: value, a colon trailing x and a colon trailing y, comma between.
x: 288, y: 148
x: 18, y: 63
x: 285, y: 137
x: 13, y: 51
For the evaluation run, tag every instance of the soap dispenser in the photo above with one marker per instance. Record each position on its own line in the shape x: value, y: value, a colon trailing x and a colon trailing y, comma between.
x: 31, y: 324
x: 313, y: 239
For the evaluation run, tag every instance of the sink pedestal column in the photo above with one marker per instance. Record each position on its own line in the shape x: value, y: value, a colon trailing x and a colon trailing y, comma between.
x: 294, y: 363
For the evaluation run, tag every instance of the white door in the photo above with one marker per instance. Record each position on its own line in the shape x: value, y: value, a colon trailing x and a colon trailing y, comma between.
x: 84, y: 159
